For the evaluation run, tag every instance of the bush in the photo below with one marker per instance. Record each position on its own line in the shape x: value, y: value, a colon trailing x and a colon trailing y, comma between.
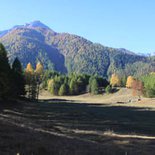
x: 149, y: 93
x: 149, y: 85
x: 108, y: 89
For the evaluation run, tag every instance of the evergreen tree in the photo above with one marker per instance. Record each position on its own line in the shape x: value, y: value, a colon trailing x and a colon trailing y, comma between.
x: 48, y: 74
x: 55, y: 88
x: 94, y: 86
x: 149, y: 85
x: 123, y: 81
x: 102, y: 82
x: 5, y: 72
x: 63, y: 90
x: 90, y: 82
x: 108, y: 89
x: 74, y: 89
x: 18, y: 77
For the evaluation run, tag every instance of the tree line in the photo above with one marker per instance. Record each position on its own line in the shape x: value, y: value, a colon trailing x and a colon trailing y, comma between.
x: 75, y: 84
x: 11, y: 77
x: 15, y: 82
x: 144, y: 85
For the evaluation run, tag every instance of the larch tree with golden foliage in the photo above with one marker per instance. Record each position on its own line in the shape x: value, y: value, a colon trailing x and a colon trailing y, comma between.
x: 39, y: 76
x: 115, y: 80
x: 29, y: 69
x: 49, y: 84
x: 130, y: 81
x: 31, y: 82
x: 34, y: 79
x: 39, y: 68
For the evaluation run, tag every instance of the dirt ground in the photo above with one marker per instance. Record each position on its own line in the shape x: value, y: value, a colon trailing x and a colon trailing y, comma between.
x: 78, y: 125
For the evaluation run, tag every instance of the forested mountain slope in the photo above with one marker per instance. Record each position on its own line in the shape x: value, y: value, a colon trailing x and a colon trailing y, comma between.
x: 70, y: 53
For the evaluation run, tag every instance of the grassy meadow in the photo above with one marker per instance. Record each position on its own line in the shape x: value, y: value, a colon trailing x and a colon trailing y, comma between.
x: 66, y: 127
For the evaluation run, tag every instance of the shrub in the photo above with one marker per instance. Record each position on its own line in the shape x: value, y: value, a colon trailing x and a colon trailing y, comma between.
x: 108, y: 89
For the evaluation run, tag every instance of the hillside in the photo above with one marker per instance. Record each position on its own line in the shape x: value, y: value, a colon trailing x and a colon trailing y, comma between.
x: 70, y: 53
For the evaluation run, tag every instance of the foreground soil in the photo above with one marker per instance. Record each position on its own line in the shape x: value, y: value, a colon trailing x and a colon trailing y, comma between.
x: 64, y: 127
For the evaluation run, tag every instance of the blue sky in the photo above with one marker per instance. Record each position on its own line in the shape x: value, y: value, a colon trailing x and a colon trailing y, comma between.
x: 126, y: 24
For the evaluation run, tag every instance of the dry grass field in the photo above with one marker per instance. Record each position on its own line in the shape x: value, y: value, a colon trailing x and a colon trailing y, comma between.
x: 81, y: 125
x: 120, y: 98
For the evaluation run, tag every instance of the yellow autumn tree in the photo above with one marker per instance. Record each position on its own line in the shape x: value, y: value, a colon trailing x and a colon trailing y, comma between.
x: 115, y: 80
x: 29, y: 68
x: 130, y: 81
x: 38, y: 77
x: 33, y: 79
x: 29, y: 76
x: 39, y: 68
x: 49, y: 84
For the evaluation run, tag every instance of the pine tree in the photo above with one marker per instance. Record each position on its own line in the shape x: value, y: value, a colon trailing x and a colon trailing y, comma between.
x: 94, y: 86
x: 5, y: 72
x: 149, y: 85
x: 63, y: 90
x: 18, y: 77
x: 123, y: 81
x: 55, y: 88
x: 73, y: 86
x: 108, y: 89
x: 90, y: 82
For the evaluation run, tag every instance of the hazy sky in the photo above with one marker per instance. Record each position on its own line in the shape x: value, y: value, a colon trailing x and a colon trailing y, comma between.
x: 117, y: 23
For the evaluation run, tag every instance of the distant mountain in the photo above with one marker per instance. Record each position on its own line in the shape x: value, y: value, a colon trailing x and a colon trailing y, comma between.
x: 65, y: 52
x: 2, y: 33
x: 36, y: 24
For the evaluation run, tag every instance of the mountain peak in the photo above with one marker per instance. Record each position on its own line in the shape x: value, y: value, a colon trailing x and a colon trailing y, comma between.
x: 32, y: 25
x: 37, y: 23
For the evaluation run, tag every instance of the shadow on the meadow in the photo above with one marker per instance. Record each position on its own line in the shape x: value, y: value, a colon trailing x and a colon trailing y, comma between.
x: 62, y: 127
